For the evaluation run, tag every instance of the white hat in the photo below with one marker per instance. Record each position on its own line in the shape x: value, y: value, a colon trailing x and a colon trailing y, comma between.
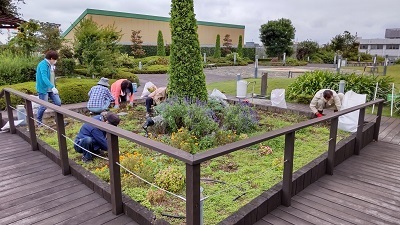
x: 103, y: 81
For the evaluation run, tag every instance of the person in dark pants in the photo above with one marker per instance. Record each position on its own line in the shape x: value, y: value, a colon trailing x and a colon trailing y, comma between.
x: 92, y: 138
x: 155, y: 98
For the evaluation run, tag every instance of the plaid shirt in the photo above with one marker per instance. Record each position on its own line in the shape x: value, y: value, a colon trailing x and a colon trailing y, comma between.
x: 98, y: 96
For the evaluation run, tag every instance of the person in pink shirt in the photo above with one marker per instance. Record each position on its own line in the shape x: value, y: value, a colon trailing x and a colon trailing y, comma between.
x: 122, y: 91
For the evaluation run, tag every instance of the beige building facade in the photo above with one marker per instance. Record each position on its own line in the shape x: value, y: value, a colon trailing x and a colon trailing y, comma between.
x: 150, y: 25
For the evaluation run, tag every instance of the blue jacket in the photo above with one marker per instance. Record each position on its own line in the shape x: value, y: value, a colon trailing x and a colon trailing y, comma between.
x: 98, y: 136
x: 43, y: 77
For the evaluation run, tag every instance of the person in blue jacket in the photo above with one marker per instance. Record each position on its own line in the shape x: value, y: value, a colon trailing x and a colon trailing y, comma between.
x: 92, y: 138
x: 45, y: 82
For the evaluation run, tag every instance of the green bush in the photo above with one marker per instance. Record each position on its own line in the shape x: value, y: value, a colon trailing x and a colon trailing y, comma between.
x: 160, y: 44
x: 16, y: 68
x: 305, y: 86
x: 240, y: 118
x: 71, y: 90
x: 295, y: 62
x: 170, y: 179
x: 397, y: 62
x: 65, y: 67
x: 217, y: 50
x: 124, y: 60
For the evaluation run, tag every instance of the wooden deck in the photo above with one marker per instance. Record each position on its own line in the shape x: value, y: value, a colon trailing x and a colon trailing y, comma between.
x: 364, y: 189
x: 33, y: 191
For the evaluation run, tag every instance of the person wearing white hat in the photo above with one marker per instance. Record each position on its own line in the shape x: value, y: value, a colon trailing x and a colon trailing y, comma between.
x: 100, y: 97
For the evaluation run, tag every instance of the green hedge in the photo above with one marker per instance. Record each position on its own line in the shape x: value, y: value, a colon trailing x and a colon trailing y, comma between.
x: 17, y: 68
x: 152, y: 51
x: 72, y: 90
x: 304, y: 87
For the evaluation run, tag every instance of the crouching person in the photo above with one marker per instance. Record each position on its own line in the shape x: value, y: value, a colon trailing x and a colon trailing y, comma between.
x: 92, y: 138
x: 155, y: 98
x: 326, y: 99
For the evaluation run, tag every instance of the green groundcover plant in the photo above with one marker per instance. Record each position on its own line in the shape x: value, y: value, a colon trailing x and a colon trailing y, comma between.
x: 229, y: 182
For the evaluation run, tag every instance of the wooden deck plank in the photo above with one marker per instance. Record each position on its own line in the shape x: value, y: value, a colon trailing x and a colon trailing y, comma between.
x: 63, y: 214
x: 271, y: 219
x: 288, y: 217
x: 40, y: 200
x: 325, y: 217
x: 392, y: 124
x: 345, y: 216
x: 303, y: 215
x: 90, y: 214
x: 104, y: 218
x: 33, y: 190
x: 122, y: 220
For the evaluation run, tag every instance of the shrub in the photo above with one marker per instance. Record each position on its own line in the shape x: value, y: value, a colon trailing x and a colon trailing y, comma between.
x: 217, y: 51
x: 200, y: 120
x: 124, y: 60
x: 160, y: 44
x: 186, y: 76
x: 170, y: 179
x: 65, y: 67
x: 240, y: 118
x: 397, y: 62
x: 305, y: 86
x: 184, y: 140
x: 139, y: 164
x: 295, y: 62
x: 173, y: 112
x: 71, y: 90
x: 155, y: 196
x: 240, y: 46
x: 16, y: 68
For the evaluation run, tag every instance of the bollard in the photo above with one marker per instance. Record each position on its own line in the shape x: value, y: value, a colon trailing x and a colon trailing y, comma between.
x: 334, y: 59
x: 238, y: 77
x: 385, y: 65
x: 201, y: 205
x: 205, y: 57
x: 284, y: 59
x: 264, y: 86
x: 342, y: 84
x: 140, y: 65
x: 256, y: 67
x: 234, y: 58
x: 339, y: 64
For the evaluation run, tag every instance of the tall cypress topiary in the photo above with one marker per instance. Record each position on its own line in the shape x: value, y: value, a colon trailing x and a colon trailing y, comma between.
x: 160, y: 44
x: 217, y: 52
x: 186, y: 76
x: 240, y: 46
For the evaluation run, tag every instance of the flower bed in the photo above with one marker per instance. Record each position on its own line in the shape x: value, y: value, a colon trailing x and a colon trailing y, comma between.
x: 229, y: 182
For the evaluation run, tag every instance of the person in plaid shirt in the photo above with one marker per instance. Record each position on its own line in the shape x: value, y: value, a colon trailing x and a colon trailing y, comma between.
x: 100, y: 97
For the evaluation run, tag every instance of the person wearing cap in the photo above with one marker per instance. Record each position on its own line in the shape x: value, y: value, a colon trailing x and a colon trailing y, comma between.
x: 156, y: 97
x: 92, y: 139
x: 100, y: 97
x: 122, y: 90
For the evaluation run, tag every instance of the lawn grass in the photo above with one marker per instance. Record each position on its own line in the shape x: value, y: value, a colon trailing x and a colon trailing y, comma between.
x: 231, y: 180
x: 229, y: 87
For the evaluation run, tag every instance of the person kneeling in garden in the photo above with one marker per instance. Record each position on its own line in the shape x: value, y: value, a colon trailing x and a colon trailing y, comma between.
x: 326, y: 99
x: 93, y: 139
x: 100, y: 97
x: 156, y: 97
x: 122, y: 90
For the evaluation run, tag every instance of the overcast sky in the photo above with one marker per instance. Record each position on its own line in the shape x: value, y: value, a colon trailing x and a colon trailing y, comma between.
x: 317, y: 20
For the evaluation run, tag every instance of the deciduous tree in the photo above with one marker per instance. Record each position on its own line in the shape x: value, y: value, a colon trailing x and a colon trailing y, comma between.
x: 277, y: 36
x: 137, y: 49
x: 227, y: 45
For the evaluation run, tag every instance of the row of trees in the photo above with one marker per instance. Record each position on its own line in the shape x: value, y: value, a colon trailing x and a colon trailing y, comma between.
x: 227, y: 46
x: 277, y: 37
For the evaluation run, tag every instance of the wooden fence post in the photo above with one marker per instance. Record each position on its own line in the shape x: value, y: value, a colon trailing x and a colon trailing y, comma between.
x: 359, y: 131
x: 10, y: 113
x: 62, y: 144
x: 378, y: 121
x: 288, y: 169
x: 332, y: 146
x: 31, y: 125
x: 193, y: 194
x: 115, y: 174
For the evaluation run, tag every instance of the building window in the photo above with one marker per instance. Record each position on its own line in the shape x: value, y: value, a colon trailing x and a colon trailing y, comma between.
x: 392, y: 46
x: 363, y: 46
x: 374, y: 47
x: 379, y: 46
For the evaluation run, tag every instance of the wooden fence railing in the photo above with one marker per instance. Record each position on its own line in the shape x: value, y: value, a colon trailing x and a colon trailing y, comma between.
x: 192, y: 161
